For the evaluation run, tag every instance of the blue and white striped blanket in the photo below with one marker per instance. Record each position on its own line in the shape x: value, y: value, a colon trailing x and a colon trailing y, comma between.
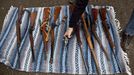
x: 66, y: 60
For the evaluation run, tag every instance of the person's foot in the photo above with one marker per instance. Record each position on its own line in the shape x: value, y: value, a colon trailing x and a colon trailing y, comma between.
x: 125, y: 40
x: 68, y: 33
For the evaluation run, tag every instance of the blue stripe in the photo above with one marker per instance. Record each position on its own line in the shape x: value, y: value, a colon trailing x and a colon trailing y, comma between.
x: 25, y: 25
x: 61, y: 57
x: 51, y: 21
x: 40, y: 53
x: 66, y: 57
x: 15, y: 52
x: 61, y: 52
x: 115, y: 42
x: 8, y: 29
x: 99, y: 33
x: 76, y: 58
x: 63, y: 63
x: 7, y: 24
x: 34, y: 36
x: 7, y: 50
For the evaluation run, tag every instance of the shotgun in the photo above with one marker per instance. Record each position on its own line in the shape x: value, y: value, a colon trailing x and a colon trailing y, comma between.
x: 56, y: 15
x: 93, y: 30
x: 43, y: 30
x: 107, y: 33
x: 88, y: 38
x: 18, y: 30
x: 32, y: 23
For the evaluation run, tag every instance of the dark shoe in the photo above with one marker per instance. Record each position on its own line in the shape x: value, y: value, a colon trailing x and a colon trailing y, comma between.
x: 125, y: 40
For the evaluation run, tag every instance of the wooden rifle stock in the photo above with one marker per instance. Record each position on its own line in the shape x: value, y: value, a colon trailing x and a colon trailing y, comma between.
x: 77, y: 31
x: 32, y: 23
x: 56, y: 15
x: 43, y: 30
x: 93, y: 29
x: 20, y: 13
x: 105, y: 27
x: 18, y: 30
x: 107, y: 33
x: 88, y: 38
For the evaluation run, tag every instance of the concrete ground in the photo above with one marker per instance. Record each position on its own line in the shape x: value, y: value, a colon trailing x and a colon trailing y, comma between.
x: 123, y: 10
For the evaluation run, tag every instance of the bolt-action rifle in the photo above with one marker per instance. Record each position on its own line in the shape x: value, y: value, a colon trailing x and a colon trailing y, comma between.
x: 105, y: 27
x: 32, y: 24
x: 77, y: 31
x: 89, y: 41
x: 18, y: 29
x: 103, y: 13
x: 95, y: 13
x: 56, y: 15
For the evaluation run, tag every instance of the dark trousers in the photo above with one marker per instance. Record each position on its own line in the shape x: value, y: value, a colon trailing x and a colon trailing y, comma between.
x: 79, y: 8
x: 129, y: 30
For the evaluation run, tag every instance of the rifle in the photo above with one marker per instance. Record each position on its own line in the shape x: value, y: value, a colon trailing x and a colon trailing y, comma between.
x: 88, y: 38
x: 18, y: 29
x: 93, y: 30
x: 80, y: 45
x: 105, y: 27
x: 71, y: 8
x: 107, y: 33
x: 43, y: 29
x: 32, y: 23
x: 56, y: 14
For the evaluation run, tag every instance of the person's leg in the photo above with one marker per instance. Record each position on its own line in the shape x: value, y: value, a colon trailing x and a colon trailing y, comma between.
x: 128, y: 32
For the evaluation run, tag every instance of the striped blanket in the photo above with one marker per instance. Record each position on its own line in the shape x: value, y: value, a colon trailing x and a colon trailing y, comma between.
x: 66, y: 60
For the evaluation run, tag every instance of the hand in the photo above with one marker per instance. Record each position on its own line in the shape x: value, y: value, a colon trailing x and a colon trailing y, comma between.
x: 68, y: 33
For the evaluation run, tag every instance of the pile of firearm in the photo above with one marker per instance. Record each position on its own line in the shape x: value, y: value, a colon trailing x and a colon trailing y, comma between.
x: 46, y: 28
x: 47, y: 31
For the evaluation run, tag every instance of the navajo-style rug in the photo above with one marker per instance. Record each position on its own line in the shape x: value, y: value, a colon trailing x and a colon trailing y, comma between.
x: 67, y: 58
